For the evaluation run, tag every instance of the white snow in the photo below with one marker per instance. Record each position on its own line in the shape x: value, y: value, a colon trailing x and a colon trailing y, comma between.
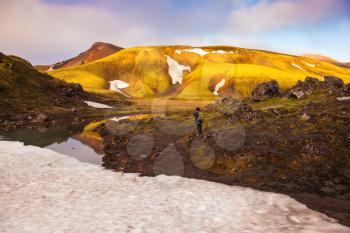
x: 222, y: 52
x: 297, y: 66
x: 43, y: 191
x: 202, y: 52
x: 97, y: 105
x: 309, y: 64
x: 176, y: 70
x: 116, y: 85
x: 218, y: 86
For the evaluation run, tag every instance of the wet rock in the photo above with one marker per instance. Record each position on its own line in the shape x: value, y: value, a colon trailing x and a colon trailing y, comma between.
x: 266, y: 90
x: 334, y: 81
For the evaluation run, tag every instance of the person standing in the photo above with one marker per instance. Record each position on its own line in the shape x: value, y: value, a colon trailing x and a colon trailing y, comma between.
x: 198, y: 118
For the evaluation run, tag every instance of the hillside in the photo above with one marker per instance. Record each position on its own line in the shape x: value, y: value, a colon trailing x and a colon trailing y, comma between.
x: 318, y: 57
x: 185, y: 72
x: 29, y: 96
x: 97, y: 51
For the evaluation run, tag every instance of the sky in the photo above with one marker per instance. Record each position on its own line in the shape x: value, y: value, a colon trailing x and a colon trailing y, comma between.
x: 47, y: 31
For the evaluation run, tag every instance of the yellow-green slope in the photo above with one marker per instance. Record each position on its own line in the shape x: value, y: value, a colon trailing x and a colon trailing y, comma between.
x: 146, y: 70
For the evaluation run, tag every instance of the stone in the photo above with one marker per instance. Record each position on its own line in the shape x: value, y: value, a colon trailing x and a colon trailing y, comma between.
x: 298, y: 94
x: 305, y: 117
x: 266, y: 90
x: 334, y: 81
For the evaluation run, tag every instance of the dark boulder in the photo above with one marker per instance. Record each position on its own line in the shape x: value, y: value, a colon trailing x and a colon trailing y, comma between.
x: 334, y: 81
x: 266, y: 90
x: 305, y: 88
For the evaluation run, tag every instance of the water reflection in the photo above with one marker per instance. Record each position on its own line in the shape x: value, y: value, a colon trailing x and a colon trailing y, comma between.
x: 78, y: 150
x: 80, y: 141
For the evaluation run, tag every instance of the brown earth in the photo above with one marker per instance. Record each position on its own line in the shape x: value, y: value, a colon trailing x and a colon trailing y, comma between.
x: 299, y: 147
x: 97, y: 51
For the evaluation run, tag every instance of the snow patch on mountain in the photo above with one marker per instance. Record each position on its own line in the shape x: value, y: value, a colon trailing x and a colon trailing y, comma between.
x: 202, y: 52
x: 117, y: 85
x: 311, y: 65
x: 176, y: 70
x: 97, y: 105
x: 297, y: 66
x: 218, y: 86
x: 43, y: 191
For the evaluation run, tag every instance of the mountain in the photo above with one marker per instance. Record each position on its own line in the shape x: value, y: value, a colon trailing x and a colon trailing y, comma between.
x: 318, y: 57
x: 186, y: 72
x: 22, y: 89
x: 97, y: 51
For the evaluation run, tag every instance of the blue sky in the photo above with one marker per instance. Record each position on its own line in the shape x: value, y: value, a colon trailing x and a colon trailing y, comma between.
x: 47, y: 31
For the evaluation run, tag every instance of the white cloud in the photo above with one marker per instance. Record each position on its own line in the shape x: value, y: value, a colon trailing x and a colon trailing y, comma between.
x: 46, y: 33
x: 269, y: 15
x: 32, y: 27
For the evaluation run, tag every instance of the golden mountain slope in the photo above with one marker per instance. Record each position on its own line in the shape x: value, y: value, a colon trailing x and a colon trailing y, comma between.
x: 146, y: 70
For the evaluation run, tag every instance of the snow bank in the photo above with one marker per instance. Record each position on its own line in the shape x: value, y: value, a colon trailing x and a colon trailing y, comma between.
x: 117, y: 85
x: 43, y: 191
x: 97, y: 105
x: 218, y: 86
x: 202, y: 52
x: 297, y: 66
x: 176, y: 70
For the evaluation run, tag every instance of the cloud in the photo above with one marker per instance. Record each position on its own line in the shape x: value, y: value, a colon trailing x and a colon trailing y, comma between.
x: 39, y: 30
x: 269, y: 15
x: 47, y: 31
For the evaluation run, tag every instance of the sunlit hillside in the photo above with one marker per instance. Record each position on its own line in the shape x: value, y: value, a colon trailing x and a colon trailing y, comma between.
x: 186, y: 72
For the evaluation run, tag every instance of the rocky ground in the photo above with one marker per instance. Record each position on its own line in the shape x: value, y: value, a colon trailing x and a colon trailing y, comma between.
x: 29, y: 98
x: 295, y: 142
